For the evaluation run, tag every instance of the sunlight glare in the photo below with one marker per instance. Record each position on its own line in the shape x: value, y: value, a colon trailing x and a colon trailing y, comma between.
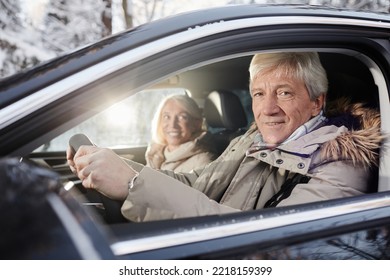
x: 119, y: 115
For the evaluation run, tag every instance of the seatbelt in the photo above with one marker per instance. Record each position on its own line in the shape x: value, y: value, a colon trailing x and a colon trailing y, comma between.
x: 286, y: 189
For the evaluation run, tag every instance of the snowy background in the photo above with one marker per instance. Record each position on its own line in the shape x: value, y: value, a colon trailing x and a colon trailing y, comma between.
x: 37, y: 30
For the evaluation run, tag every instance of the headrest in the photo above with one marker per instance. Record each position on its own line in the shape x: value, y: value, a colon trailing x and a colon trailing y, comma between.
x: 353, y: 88
x: 351, y: 78
x: 223, y: 109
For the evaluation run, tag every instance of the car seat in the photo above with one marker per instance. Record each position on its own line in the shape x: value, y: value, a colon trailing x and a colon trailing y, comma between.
x: 225, y: 117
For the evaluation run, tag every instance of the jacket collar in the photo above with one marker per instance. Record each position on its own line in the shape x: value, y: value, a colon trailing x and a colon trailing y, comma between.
x: 304, y: 129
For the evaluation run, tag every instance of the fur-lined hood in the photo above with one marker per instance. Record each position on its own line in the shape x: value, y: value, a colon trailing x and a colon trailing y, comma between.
x: 361, y: 143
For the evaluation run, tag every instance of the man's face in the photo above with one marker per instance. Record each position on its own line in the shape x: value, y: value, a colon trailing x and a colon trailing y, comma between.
x: 280, y: 105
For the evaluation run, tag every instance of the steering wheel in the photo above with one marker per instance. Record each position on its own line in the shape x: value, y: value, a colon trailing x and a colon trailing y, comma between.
x: 112, y: 208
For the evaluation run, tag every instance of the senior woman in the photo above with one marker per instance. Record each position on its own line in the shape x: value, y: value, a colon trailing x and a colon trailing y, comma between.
x: 292, y: 154
x: 180, y: 142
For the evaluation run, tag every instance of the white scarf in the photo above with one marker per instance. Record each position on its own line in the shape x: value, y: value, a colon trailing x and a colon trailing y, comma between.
x: 307, y: 127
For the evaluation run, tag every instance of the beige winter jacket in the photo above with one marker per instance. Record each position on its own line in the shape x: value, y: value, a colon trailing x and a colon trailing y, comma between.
x: 188, y: 156
x: 337, y: 160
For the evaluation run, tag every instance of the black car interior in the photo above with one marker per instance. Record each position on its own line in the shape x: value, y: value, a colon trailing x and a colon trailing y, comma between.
x: 349, y: 77
x: 225, y: 116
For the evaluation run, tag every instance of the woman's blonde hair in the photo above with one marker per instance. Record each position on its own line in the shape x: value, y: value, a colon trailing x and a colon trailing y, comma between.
x: 191, y: 108
x: 305, y: 66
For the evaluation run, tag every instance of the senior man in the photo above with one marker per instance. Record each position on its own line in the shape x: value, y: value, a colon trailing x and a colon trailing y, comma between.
x: 292, y: 154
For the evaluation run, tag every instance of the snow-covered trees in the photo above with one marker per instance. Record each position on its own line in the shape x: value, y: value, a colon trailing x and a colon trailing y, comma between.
x: 19, y: 47
x: 37, y: 30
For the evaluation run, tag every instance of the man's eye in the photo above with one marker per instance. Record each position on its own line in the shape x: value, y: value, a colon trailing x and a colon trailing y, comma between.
x: 257, y: 94
x: 284, y: 94
x: 165, y: 117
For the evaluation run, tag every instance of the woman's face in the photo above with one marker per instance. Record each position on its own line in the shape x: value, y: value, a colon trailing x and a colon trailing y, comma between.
x: 177, y: 125
x: 280, y: 105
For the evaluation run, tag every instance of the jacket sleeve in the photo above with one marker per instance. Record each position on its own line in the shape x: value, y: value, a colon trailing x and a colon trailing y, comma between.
x: 186, y: 178
x: 156, y: 196
x: 329, y: 181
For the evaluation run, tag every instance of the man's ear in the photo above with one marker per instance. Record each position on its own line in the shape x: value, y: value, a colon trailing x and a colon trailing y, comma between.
x: 318, y: 105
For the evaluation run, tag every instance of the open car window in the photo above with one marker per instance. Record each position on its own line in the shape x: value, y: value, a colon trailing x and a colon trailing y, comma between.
x: 123, y: 125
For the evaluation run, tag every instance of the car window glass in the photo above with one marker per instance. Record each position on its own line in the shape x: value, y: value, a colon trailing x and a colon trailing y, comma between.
x: 125, y: 124
x: 367, y: 244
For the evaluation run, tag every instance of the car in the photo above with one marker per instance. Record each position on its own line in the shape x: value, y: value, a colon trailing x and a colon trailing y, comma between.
x: 206, y: 55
